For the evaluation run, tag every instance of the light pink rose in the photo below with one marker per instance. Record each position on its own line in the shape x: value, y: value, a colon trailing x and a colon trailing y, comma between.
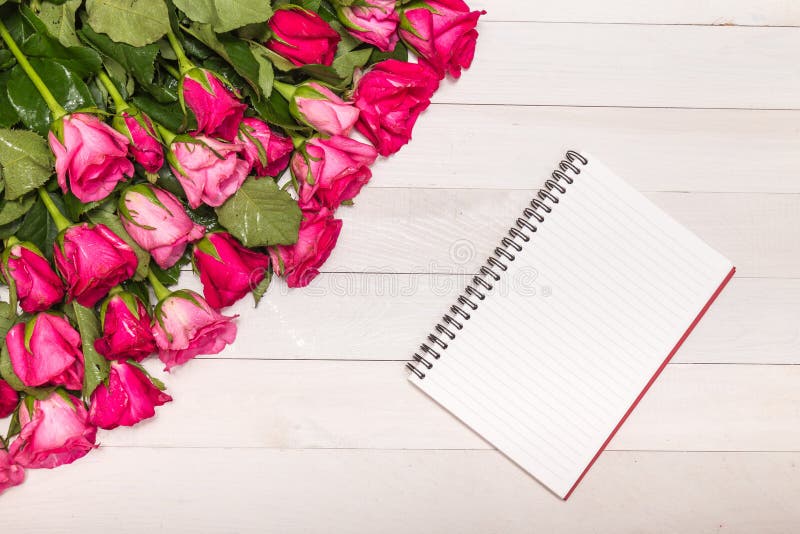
x: 37, y: 285
x: 145, y: 144
x: 8, y: 399
x: 209, y: 170
x: 374, y: 23
x: 56, y: 433
x: 300, y: 263
x: 228, y: 270
x: 157, y: 221
x: 185, y: 326
x: 332, y: 170
x: 302, y: 36
x: 129, y: 397
x: 11, y: 474
x: 319, y: 107
x: 91, y: 155
x: 265, y: 150
x: 126, y: 329
x: 51, y: 354
x: 217, y: 109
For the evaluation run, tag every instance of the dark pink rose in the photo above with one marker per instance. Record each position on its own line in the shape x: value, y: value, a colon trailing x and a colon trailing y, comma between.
x: 319, y: 107
x: 374, y: 23
x: 91, y: 155
x: 157, y: 221
x: 92, y: 259
x: 129, y: 397
x: 11, y: 474
x: 227, y: 269
x: 8, y: 399
x: 391, y: 97
x: 209, y: 170
x: 302, y: 37
x: 442, y: 33
x: 145, y: 143
x: 185, y: 326
x: 332, y: 170
x: 56, y: 433
x: 37, y: 285
x: 126, y: 329
x: 300, y: 263
x: 217, y: 109
x: 267, y: 151
x: 46, y: 351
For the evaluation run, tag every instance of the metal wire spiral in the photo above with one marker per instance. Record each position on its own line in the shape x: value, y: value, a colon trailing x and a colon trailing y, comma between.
x: 518, y: 235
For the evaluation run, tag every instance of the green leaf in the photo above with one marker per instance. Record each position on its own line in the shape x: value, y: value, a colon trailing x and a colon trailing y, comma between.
x: 8, y: 115
x: 234, y: 51
x: 275, y: 110
x: 168, y: 115
x: 110, y: 219
x: 11, y: 210
x: 259, y: 214
x: 26, y: 161
x: 39, y: 228
x: 60, y: 20
x: 135, y: 22
x: 266, y: 73
x: 261, y: 288
x: 7, y: 319
x: 226, y: 15
x: 139, y: 61
x: 346, y: 64
x: 169, y: 277
x: 96, y: 367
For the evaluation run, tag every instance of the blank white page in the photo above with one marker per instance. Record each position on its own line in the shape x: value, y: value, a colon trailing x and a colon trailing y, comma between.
x: 586, y: 316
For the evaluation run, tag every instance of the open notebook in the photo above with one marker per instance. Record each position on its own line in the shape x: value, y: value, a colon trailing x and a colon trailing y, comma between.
x: 580, y: 308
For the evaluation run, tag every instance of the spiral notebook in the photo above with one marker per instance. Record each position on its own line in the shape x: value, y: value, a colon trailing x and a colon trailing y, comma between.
x: 582, y: 305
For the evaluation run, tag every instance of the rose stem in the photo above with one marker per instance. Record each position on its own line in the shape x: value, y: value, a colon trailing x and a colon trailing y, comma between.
x: 119, y: 103
x: 61, y: 221
x: 48, y: 97
x: 158, y: 288
x: 184, y: 63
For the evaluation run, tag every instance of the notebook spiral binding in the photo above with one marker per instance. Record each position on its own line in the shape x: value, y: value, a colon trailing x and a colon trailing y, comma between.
x: 542, y: 204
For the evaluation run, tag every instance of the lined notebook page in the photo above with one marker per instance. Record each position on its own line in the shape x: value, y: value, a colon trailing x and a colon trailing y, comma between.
x: 560, y: 350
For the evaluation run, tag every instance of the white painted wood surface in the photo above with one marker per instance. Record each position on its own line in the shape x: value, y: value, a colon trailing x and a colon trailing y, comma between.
x: 307, y: 424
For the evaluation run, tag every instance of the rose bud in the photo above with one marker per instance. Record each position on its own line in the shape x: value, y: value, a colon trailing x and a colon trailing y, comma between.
x: 218, y: 110
x: 391, y: 96
x: 157, y: 221
x: 145, y: 143
x: 57, y: 432
x: 227, y: 269
x: 28, y: 273
x: 302, y: 37
x: 126, y: 329
x: 8, y: 399
x: 210, y: 171
x: 300, y: 263
x: 442, y: 33
x: 11, y: 474
x: 91, y: 155
x: 129, y: 397
x: 266, y: 151
x: 332, y: 170
x: 92, y: 259
x: 319, y: 107
x: 46, y: 350
x: 185, y: 326
x: 374, y: 23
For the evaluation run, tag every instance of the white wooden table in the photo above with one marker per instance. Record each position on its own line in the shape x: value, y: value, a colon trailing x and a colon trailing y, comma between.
x: 308, y: 424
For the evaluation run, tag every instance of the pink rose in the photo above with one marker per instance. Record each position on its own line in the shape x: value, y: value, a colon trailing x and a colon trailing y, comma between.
x: 145, y: 143
x: 210, y: 171
x: 157, y: 221
x: 319, y: 107
x: 374, y: 23
x: 266, y: 151
x: 56, y: 433
x: 126, y: 329
x: 129, y: 397
x: 92, y: 259
x: 185, y: 326
x: 11, y: 474
x: 227, y: 269
x: 93, y: 156
x: 46, y: 351
x: 442, y: 33
x: 391, y: 96
x: 302, y: 37
x: 8, y: 399
x: 300, y: 262
x: 217, y: 109
x: 27, y: 271
x: 332, y: 170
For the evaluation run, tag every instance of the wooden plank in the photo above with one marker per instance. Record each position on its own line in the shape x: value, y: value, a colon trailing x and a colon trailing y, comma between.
x: 371, y: 405
x: 179, y: 491
x: 631, y: 66
x: 718, y: 12
x: 512, y: 147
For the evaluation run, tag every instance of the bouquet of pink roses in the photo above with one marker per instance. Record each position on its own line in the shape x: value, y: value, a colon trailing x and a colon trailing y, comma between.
x: 139, y: 137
